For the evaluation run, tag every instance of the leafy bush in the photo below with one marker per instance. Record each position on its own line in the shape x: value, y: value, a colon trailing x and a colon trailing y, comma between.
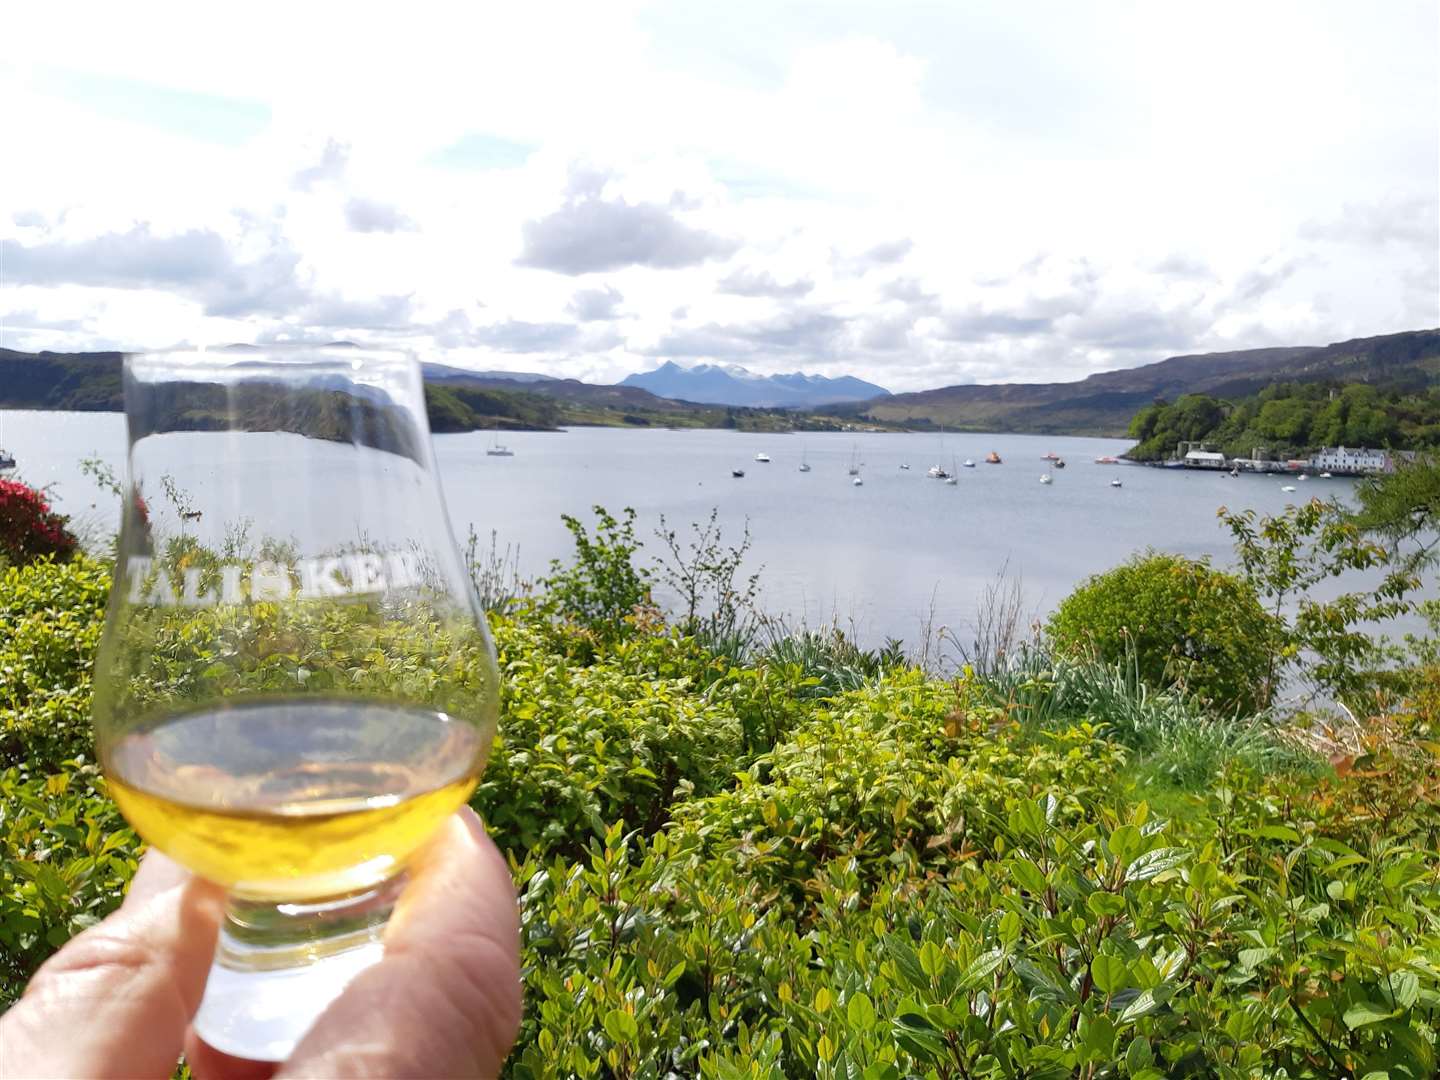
x: 29, y: 529
x: 1284, y: 557
x: 1180, y: 623
x: 66, y: 856
x: 51, y: 616
x: 603, y: 589
x: 584, y: 746
x: 740, y: 872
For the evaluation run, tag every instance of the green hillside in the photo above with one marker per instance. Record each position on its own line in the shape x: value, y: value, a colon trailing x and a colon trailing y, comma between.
x: 1104, y: 404
x: 91, y: 382
x: 1292, y: 419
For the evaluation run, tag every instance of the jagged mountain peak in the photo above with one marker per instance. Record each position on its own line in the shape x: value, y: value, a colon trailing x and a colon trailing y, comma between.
x: 731, y: 384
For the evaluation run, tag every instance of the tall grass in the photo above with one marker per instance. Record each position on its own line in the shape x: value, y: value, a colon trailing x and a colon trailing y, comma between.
x: 829, y: 656
x: 495, y: 573
x: 1176, y: 740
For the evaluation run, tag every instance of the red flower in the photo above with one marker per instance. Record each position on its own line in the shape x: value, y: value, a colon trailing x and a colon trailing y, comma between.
x: 29, y: 529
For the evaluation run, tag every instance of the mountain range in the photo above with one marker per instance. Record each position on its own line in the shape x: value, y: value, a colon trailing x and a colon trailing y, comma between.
x: 1104, y: 404
x: 730, y: 384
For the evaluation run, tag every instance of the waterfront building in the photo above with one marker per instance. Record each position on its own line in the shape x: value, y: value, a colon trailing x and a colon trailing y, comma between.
x: 1204, y: 459
x: 1341, y: 459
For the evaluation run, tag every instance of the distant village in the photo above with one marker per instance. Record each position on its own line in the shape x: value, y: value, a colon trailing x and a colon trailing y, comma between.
x: 1328, y: 461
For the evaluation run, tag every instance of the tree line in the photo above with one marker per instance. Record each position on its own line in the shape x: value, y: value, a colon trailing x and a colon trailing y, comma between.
x: 1291, y: 418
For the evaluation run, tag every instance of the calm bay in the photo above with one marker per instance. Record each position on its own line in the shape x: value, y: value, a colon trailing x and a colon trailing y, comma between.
x: 876, y: 558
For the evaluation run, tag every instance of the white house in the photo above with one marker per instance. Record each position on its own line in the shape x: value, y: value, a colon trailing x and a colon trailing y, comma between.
x: 1204, y: 459
x: 1349, y: 460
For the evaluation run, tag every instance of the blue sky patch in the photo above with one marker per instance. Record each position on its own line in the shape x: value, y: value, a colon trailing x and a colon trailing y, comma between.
x: 477, y: 151
x: 203, y: 117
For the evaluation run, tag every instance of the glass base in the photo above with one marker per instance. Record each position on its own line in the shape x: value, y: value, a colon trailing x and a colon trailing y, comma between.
x: 279, y: 966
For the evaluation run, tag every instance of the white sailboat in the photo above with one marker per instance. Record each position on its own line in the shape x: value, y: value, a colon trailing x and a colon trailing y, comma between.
x: 854, y: 461
x: 7, y: 460
x: 937, y: 472
x: 804, y: 465
x: 496, y: 449
x: 950, y: 480
x: 763, y: 457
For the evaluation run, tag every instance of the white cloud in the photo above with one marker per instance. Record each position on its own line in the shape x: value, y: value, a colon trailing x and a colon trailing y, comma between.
x: 920, y: 194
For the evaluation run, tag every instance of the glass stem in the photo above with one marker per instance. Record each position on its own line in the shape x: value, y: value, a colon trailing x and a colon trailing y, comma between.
x: 278, y: 966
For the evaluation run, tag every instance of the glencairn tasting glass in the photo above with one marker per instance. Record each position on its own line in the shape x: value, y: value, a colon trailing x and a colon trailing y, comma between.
x: 296, y: 685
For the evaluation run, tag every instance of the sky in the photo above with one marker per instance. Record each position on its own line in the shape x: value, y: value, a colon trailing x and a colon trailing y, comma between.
x: 919, y: 194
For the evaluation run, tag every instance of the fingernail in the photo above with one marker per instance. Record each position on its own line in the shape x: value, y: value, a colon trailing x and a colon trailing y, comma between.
x: 473, y: 822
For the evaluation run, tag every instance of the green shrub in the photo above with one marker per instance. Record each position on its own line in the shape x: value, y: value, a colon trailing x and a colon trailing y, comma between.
x: 603, y: 589
x: 1180, y: 622
x: 581, y: 746
x: 66, y: 857
x: 51, y: 615
x: 737, y: 871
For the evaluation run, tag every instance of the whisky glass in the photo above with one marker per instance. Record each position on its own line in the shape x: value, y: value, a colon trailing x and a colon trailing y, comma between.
x: 295, y: 685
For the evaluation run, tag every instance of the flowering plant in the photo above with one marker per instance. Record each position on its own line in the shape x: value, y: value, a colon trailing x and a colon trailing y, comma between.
x: 29, y: 529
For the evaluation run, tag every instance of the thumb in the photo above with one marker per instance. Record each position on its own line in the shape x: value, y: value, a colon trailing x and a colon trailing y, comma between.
x: 116, y: 1000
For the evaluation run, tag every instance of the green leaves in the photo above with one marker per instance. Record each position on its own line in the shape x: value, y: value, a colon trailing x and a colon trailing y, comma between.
x: 1366, y: 1012
x: 726, y: 876
x: 1146, y: 1002
x: 621, y: 1026
x: 1110, y: 973
x: 1156, y: 862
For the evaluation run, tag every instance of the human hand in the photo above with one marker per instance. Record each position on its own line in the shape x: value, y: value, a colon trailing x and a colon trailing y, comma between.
x: 117, y: 1000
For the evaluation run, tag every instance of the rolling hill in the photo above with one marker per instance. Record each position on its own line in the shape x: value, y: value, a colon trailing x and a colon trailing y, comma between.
x: 457, y: 399
x: 1104, y: 404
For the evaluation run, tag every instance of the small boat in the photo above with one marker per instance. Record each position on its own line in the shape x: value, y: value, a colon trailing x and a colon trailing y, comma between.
x: 857, y: 481
x: 1234, y: 472
x: 950, y: 479
x: 804, y: 467
x: 1288, y: 487
x: 762, y: 456
x: 992, y: 458
x: 904, y: 466
x: 1059, y: 463
x: 1116, y: 482
x: 969, y: 464
x: 1046, y: 478
x: 1304, y: 477
x: 737, y: 473
x: 1106, y: 459
x: 854, y: 462
x: 7, y: 461
x: 1052, y: 456
x: 1325, y: 476
x: 804, y: 462
x: 496, y: 449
